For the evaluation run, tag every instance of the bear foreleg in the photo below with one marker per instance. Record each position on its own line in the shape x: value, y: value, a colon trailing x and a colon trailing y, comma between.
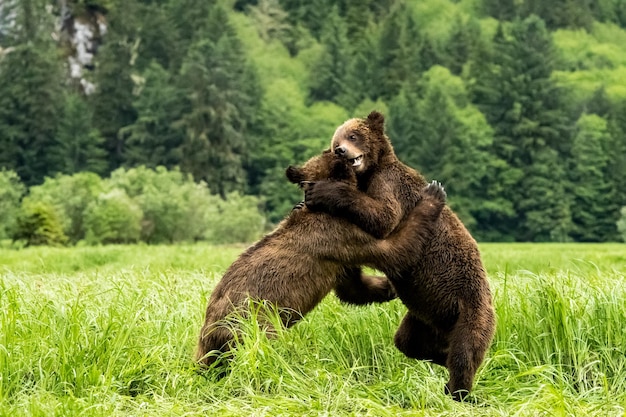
x: 354, y: 287
x: 419, y: 340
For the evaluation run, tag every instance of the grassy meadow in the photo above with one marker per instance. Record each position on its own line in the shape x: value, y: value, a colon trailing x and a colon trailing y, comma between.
x: 110, y: 331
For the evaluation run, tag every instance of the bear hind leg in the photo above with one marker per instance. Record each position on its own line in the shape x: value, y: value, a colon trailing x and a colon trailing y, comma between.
x: 469, y: 341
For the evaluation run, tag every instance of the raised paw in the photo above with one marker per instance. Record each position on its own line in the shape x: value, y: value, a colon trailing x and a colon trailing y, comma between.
x: 436, y: 190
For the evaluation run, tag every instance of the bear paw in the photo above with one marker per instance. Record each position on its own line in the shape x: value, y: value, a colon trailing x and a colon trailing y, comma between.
x: 299, y: 206
x: 436, y: 191
x: 324, y: 195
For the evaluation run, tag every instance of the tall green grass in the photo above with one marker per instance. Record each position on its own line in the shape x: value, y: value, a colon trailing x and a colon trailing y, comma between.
x: 111, y: 331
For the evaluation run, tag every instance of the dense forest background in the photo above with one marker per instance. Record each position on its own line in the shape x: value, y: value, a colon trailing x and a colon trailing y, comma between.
x: 517, y: 106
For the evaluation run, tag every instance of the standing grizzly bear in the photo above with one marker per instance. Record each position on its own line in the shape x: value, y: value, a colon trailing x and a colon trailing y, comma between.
x: 294, y: 267
x: 451, y: 319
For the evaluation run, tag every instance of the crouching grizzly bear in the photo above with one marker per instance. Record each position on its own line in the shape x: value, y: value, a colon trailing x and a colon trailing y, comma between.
x: 309, y: 254
x: 451, y: 320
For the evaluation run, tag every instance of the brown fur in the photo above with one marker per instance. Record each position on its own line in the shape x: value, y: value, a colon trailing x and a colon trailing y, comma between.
x: 296, y: 266
x: 451, y: 320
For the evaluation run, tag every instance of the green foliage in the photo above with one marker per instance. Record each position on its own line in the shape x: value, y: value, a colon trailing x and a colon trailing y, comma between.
x: 151, y: 205
x: 592, y: 208
x: 556, y: 14
x: 526, y: 109
x: 270, y: 20
x: 233, y: 91
x: 616, y: 150
x: 159, y: 35
x: 463, y: 40
x: 222, y: 91
x: 400, y: 52
x: 69, y: 195
x: 79, y: 146
x: 234, y: 219
x: 173, y: 206
x: 11, y: 191
x: 30, y: 99
x: 112, y: 101
x: 621, y: 224
x: 37, y: 223
x: 439, y: 132
x: 154, y: 139
x: 113, y: 218
x: 580, y: 50
x: 329, y: 74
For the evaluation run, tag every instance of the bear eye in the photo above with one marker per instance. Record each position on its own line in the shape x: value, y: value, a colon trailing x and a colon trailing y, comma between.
x: 352, y: 137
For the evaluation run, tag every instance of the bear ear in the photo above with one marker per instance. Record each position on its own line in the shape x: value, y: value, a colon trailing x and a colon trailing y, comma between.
x: 294, y: 174
x: 376, y: 121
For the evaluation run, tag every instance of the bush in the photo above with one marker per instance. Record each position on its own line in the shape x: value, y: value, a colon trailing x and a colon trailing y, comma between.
x: 153, y: 205
x: 236, y: 219
x: 38, y: 224
x: 11, y: 190
x: 174, y: 206
x: 113, y: 218
x: 621, y: 224
x: 69, y: 195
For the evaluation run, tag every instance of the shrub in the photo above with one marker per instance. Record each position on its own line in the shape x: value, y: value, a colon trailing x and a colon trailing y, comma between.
x: 173, y: 205
x: 11, y: 190
x: 38, y: 224
x: 621, y: 224
x: 69, y: 195
x: 113, y: 218
x: 236, y: 219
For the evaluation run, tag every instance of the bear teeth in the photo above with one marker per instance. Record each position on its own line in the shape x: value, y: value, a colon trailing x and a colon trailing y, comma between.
x: 357, y: 161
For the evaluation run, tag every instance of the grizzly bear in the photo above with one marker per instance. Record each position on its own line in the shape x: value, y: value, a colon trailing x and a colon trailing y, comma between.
x: 297, y: 265
x: 450, y: 319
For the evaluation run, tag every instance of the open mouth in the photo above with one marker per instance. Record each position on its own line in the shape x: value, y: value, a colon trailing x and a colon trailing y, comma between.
x: 356, y: 161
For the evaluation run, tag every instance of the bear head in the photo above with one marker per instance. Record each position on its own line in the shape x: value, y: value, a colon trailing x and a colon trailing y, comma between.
x: 362, y: 142
x: 326, y: 166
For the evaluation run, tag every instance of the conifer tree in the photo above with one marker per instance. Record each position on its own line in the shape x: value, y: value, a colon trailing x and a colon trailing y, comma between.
x: 525, y: 108
x: 463, y: 40
x: 79, y: 146
x: 437, y: 131
x: 113, y: 99
x: 154, y: 138
x: 222, y: 94
x: 30, y: 95
x: 616, y: 150
x: 328, y: 77
x: 591, y: 189
x: 403, y: 53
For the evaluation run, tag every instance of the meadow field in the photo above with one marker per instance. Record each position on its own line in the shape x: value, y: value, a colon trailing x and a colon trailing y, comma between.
x: 110, y: 331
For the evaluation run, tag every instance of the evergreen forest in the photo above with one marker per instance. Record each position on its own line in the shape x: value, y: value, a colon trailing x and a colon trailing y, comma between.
x: 117, y: 114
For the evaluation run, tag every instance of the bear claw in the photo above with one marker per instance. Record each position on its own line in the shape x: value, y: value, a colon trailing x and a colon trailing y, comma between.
x: 299, y: 206
x: 435, y: 189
